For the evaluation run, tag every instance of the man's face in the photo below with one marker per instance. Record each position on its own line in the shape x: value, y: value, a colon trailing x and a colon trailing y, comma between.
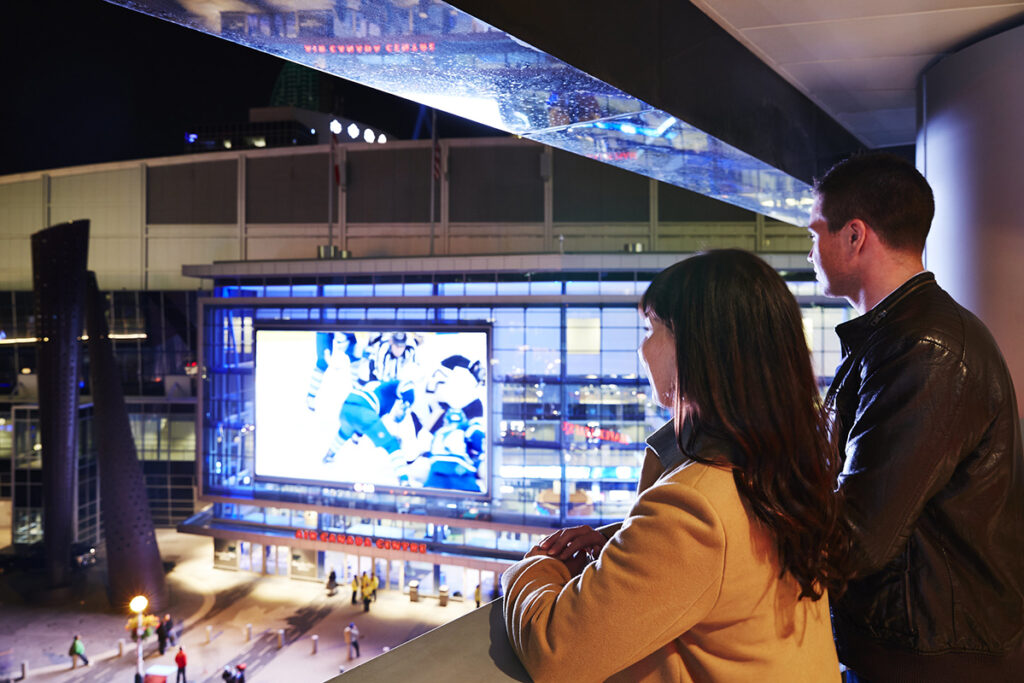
x: 830, y: 260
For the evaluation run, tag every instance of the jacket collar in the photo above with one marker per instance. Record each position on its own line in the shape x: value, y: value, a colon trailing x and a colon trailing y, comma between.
x: 665, y: 446
x: 854, y: 332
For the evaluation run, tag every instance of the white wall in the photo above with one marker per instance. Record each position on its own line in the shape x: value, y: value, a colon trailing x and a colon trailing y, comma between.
x: 971, y: 149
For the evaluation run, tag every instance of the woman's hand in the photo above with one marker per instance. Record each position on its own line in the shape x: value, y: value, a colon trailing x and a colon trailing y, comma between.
x: 576, y: 546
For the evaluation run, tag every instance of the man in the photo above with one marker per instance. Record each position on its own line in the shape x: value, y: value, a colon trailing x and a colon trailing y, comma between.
x: 455, y: 453
x: 365, y: 588
x: 161, y: 636
x: 362, y: 414
x: 181, y: 660
x: 352, y: 639
x: 926, y: 419
x: 77, y: 649
x: 391, y: 357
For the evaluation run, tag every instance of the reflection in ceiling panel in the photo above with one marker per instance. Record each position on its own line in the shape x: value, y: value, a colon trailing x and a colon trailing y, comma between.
x: 437, y: 55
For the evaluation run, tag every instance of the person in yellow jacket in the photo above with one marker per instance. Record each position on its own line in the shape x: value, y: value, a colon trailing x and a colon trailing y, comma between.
x: 365, y: 588
x: 721, y: 571
x: 355, y: 588
x: 374, y: 584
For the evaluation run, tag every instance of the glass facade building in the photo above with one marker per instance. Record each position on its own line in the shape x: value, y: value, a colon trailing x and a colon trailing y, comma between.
x: 569, y: 411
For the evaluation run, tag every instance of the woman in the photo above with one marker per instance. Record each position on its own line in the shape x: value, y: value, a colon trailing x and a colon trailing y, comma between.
x: 721, y: 570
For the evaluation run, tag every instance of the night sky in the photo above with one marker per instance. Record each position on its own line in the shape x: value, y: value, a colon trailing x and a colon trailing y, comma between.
x: 89, y: 82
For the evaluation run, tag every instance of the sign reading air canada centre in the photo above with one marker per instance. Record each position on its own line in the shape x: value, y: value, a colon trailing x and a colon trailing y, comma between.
x: 369, y: 48
x: 359, y: 541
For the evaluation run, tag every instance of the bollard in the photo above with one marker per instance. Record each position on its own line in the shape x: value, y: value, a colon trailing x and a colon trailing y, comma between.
x: 209, y: 634
x: 316, y: 639
x: 24, y: 670
x: 280, y: 638
x: 442, y: 595
x: 248, y: 632
x: 414, y: 591
x: 120, y: 647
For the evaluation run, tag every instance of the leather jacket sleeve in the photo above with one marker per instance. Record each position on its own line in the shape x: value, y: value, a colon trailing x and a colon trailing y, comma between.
x: 910, y: 430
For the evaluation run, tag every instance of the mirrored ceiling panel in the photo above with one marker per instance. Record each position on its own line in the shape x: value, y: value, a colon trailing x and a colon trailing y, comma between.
x: 435, y: 54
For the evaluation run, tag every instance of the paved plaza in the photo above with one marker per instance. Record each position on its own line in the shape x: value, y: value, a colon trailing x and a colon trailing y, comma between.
x: 221, y: 603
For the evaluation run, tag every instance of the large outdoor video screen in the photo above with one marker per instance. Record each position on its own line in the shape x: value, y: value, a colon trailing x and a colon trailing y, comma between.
x: 388, y: 407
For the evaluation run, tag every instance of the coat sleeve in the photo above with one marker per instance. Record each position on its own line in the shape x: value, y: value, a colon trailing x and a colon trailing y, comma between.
x: 650, y: 472
x: 908, y: 435
x: 660, y: 574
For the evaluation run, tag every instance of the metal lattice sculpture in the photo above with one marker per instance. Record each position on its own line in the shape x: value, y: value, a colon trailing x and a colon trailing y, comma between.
x: 133, y: 558
x: 59, y: 255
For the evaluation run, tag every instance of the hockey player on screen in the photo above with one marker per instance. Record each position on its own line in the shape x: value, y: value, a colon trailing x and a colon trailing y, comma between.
x: 328, y: 347
x: 455, y: 453
x: 458, y: 384
x: 361, y: 415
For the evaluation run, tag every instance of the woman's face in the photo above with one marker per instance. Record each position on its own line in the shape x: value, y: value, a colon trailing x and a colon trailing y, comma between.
x: 658, y: 356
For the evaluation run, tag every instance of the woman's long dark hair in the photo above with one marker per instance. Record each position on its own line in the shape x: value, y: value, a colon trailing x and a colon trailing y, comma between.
x: 744, y: 375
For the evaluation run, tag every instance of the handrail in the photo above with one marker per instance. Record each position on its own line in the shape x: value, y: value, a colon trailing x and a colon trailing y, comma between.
x: 473, y: 647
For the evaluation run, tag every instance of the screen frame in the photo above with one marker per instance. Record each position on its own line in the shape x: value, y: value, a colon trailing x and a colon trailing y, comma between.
x: 385, y: 326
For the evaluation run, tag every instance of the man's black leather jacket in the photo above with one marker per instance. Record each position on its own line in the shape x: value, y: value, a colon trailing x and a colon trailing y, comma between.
x: 926, y: 416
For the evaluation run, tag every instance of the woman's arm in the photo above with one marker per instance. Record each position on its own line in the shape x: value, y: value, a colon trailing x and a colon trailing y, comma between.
x: 656, y: 578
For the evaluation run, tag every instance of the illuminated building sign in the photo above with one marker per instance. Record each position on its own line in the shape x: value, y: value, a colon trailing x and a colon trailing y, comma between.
x: 585, y: 432
x: 618, y: 155
x: 360, y: 541
x: 369, y: 48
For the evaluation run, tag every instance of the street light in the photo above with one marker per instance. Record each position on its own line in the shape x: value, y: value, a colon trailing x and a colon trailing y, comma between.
x: 138, y: 605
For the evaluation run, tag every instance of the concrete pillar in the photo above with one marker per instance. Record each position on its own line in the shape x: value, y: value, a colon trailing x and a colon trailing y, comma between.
x: 970, y: 146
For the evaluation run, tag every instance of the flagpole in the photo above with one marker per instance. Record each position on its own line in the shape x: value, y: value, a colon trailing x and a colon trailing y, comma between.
x: 330, y: 193
x: 433, y: 172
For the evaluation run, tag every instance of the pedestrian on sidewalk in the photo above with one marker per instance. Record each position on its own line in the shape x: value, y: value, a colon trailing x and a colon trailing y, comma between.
x: 352, y: 639
x: 355, y: 587
x: 181, y: 660
x: 374, y: 583
x: 332, y: 583
x: 77, y: 649
x: 172, y: 637
x: 163, y: 633
x: 364, y: 588
x: 477, y: 596
x: 236, y: 676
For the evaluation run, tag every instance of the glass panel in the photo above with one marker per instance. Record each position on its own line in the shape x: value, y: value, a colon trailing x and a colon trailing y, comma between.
x: 437, y: 55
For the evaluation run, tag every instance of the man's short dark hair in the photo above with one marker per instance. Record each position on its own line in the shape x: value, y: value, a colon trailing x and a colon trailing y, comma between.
x: 883, y: 190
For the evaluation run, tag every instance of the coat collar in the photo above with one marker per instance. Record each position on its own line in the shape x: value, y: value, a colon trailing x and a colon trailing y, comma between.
x: 664, y: 444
